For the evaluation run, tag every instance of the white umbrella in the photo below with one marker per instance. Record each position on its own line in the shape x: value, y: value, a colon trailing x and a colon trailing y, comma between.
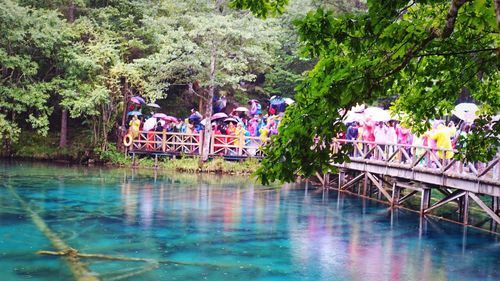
x: 352, y: 116
x: 241, y: 109
x: 465, y: 111
x: 377, y: 114
x: 358, y: 108
x: 288, y: 101
x: 153, y: 105
x: 149, y: 124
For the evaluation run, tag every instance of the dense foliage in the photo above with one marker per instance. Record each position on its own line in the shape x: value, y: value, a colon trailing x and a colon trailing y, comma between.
x: 425, y: 52
x: 87, y: 58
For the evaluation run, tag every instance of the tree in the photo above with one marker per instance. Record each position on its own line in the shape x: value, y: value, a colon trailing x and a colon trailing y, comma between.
x: 208, y: 44
x: 30, y: 41
x: 425, y: 52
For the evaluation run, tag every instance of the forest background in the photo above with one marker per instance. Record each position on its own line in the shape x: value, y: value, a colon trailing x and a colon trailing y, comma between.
x: 68, y: 68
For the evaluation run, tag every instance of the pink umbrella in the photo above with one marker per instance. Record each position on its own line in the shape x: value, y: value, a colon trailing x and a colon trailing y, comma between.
x: 219, y: 115
x: 160, y: 115
x: 137, y: 100
x: 169, y: 118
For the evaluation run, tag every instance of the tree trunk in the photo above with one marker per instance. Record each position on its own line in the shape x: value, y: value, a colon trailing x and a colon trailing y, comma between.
x: 63, y: 136
x: 122, y: 131
x: 63, y: 139
x: 208, y: 108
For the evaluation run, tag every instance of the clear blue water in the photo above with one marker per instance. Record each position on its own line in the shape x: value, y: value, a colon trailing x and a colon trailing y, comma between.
x: 224, y: 229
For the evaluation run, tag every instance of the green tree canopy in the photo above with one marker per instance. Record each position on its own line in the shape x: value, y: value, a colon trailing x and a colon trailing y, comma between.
x: 425, y: 52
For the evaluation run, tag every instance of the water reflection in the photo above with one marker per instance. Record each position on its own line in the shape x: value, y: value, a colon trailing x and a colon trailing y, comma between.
x: 250, y: 232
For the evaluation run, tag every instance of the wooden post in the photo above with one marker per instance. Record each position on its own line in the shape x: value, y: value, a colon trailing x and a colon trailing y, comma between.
x: 341, y: 177
x: 200, y: 143
x: 365, y: 184
x: 212, y: 148
x: 425, y: 200
x: 134, y: 164
x: 396, y: 192
x: 164, y: 140
x: 465, y: 208
x: 495, y: 206
x: 240, y: 144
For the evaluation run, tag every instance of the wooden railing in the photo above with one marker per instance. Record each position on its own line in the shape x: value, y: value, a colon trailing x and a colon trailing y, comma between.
x: 191, y: 144
x: 164, y: 142
x: 410, y: 157
x: 436, y: 161
x: 241, y: 146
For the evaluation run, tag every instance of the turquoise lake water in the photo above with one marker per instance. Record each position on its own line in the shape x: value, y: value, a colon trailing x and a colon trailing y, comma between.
x: 223, y: 228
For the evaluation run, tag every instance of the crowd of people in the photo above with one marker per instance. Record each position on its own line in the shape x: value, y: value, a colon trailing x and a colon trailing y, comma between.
x: 441, y: 138
x: 254, y: 128
x: 242, y: 122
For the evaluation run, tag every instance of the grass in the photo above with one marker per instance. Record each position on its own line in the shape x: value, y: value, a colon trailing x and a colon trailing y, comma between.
x: 191, y: 165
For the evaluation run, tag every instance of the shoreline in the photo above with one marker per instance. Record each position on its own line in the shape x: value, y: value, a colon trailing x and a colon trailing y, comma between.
x: 215, y: 166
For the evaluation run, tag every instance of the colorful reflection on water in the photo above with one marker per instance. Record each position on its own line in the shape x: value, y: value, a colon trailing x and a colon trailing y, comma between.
x: 224, y: 228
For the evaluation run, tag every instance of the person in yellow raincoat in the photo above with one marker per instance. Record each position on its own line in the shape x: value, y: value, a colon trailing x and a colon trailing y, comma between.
x: 264, y: 133
x: 239, y: 132
x: 442, y: 136
x: 135, y: 124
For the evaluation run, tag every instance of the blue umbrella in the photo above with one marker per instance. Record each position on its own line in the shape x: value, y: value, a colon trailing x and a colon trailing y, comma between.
x: 277, y: 100
x: 134, y: 113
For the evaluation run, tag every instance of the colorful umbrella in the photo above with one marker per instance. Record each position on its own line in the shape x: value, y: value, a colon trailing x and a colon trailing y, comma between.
x: 137, y: 100
x: 241, y: 109
x: 377, y: 114
x: 149, y: 124
x: 465, y: 111
x: 169, y: 118
x: 134, y: 113
x: 288, y: 101
x: 352, y: 116
x: 219, y: 115
x: 153, y: 105
x: 276, y: 100
x: 230, y: 120
x: 160, y: 115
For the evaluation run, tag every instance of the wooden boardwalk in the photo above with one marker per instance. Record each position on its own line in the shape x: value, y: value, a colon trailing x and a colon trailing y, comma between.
x: 390, y: 172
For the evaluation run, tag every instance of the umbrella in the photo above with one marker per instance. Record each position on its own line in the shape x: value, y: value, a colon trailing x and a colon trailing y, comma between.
x: 137, y: 100
x: 134, y: 113
x: 219, y: 115
x: 230, y: 120
x: 358, y: 108
x: 160, y: 115
x: 149, y: 124
x: 241, y: 109
x: 465, y: 111
x: 153, y: 105
x: 288, y: 101
x: 377, y: 114
x: 203, y: 122
x: 169, y: 118
x: 276, y: 100
x: 352, y: 116
x: 496, y: 118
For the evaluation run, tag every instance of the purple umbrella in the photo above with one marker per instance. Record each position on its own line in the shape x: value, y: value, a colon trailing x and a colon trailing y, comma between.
x: 169, y: 118
x: 137, y: 100
x: 160, y: 115
x: 219, y: 115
